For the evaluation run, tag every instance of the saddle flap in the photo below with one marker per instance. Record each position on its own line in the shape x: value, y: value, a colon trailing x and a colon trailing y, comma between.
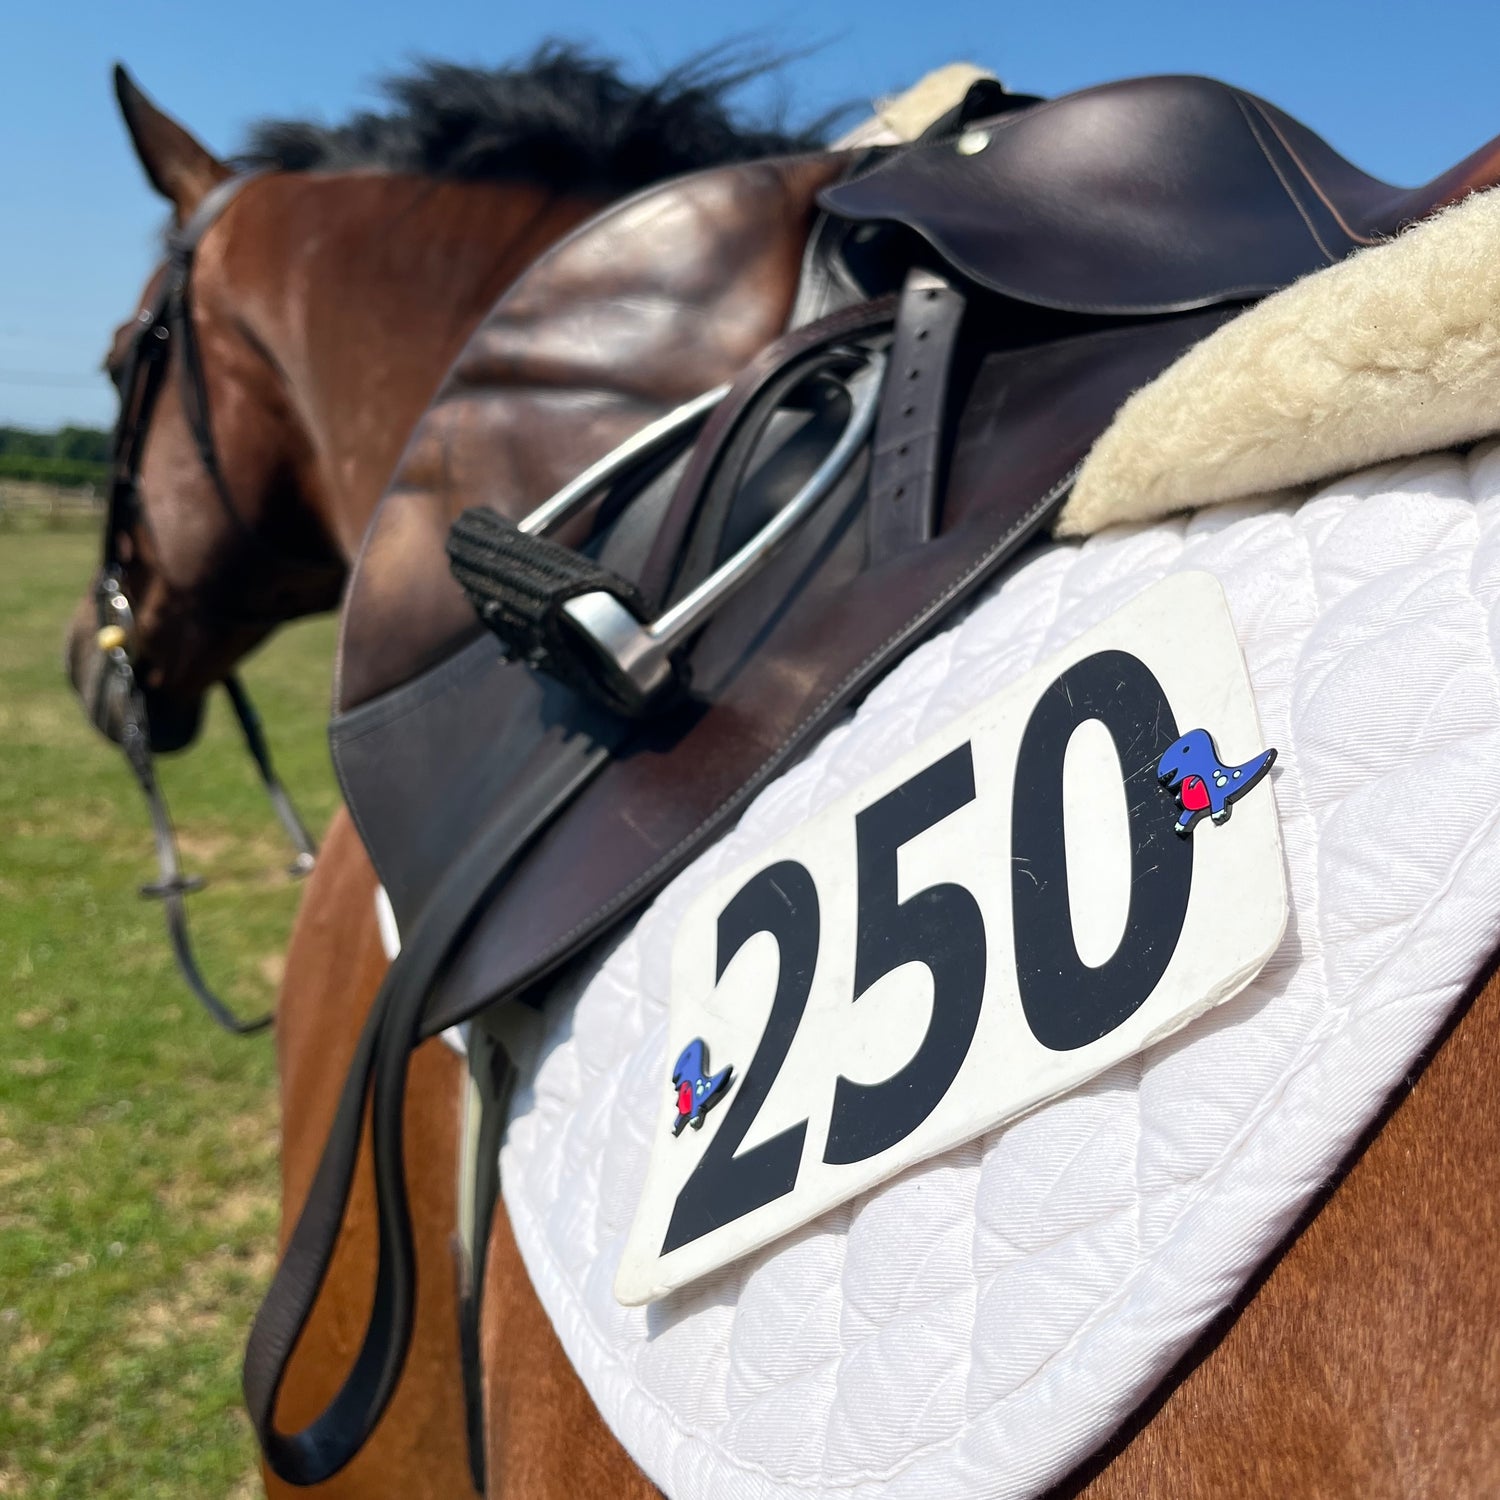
x: 641, y: 309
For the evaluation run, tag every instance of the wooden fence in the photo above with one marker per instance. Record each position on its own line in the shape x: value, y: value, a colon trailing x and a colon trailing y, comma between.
x: 27, y: 505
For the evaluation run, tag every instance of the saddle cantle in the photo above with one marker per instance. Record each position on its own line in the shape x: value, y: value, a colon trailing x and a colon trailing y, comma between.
x: 1017, y: 283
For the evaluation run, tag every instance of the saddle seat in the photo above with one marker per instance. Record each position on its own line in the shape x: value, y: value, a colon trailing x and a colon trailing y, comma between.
x: 1150, y: 196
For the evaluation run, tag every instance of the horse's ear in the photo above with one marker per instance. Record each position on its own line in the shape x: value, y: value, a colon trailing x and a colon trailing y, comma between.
x: 180, y: 169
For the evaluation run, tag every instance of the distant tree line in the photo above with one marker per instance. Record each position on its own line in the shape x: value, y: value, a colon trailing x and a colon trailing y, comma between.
x: 70, y: 456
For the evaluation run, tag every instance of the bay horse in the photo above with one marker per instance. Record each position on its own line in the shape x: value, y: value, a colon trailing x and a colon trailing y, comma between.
x: 1363, y: 1361
x: 328, y: 297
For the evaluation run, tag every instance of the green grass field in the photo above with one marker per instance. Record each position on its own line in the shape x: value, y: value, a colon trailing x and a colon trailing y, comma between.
x: 138, y: 1189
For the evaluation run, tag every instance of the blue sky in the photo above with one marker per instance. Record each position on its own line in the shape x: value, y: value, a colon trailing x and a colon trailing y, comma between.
x: 1403, y: 90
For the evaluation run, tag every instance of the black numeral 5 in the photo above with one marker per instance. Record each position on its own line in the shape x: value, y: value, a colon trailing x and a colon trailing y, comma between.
x: 940, y: 927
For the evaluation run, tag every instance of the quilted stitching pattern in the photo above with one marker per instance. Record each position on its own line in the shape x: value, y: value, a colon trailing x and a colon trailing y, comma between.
x: 977, y: 1326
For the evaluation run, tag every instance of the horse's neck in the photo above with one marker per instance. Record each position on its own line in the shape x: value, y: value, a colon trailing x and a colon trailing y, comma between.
x: 383, y: 278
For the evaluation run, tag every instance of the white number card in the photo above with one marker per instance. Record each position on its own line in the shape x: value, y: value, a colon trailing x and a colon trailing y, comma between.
x: 1071, y: 871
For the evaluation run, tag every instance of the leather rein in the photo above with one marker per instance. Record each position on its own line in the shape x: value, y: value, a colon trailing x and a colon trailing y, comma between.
x: 167, y: 321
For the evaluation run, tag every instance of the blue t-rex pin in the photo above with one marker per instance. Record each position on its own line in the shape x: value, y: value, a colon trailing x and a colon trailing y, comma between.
x: 696, y: 1090
x: 1204, y: 784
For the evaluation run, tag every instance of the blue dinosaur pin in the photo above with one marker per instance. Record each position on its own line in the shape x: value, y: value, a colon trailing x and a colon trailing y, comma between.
x: 697, y: 1091
x: 1203, y: 783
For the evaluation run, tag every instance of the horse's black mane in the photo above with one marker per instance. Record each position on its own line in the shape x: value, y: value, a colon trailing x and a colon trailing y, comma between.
x: 562, y: 117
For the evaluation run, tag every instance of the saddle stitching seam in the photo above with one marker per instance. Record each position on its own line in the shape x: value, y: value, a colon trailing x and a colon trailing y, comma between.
x: 1281, y: 177
x: 1312, y: 182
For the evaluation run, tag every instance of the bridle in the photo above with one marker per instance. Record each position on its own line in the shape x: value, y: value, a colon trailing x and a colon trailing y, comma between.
x: 165, y: 322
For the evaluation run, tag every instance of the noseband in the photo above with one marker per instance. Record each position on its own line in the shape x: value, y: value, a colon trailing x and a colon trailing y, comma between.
x: 165, y: 321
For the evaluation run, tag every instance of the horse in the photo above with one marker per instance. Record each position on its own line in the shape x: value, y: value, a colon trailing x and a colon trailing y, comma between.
x: 334, y: 273
x: 1323, y: 1376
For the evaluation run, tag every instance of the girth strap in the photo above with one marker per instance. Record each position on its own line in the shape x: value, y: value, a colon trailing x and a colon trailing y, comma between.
x: 379, y: 1071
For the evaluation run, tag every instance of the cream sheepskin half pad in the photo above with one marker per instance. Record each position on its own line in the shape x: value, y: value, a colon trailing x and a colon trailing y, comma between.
x: 979, y: 1325
x: 1394, y: 351
x: 904, y: 116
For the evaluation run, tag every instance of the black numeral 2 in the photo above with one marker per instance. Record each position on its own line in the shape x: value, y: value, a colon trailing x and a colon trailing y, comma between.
x: 784, y: 902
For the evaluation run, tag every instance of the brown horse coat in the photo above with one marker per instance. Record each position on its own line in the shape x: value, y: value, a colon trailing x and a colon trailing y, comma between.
x: 1365, y: 1363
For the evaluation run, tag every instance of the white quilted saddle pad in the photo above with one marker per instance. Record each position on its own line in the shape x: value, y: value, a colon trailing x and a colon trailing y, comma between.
x: 978, y: 1325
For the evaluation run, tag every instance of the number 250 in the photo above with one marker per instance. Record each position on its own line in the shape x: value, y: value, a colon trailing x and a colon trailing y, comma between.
x: 1067, y: 1004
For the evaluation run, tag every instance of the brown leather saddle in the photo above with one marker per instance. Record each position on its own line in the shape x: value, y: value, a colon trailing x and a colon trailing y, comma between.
x: 704, y: 474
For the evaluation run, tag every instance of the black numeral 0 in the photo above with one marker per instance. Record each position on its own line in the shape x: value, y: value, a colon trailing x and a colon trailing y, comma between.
x: 1068, y: 1004
x: 940, y: 927
x: 784, y: 902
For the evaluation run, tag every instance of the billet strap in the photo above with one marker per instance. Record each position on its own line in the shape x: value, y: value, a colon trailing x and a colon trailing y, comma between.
x: 908, y: 452
x: 378, y: 1073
